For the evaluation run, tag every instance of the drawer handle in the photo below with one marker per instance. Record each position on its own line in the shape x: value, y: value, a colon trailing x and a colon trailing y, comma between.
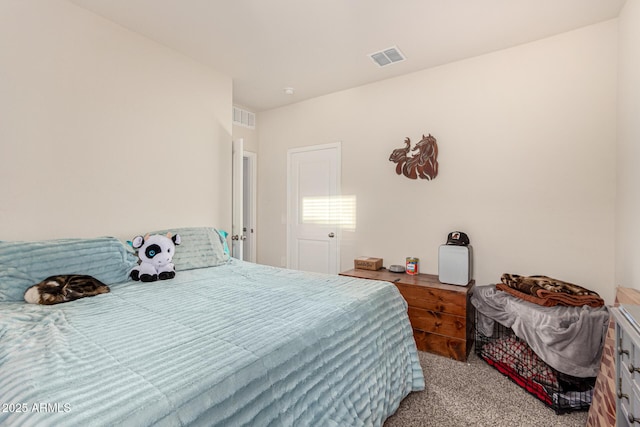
x: 620, y: 349
x: 633, y: 419
x: 633, y: 369
x: 620, y: 394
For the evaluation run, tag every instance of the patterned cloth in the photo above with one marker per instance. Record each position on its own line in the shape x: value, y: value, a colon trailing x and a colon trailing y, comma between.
x: 603, y: 408
x: 518, y: 356
x: 548, y: 292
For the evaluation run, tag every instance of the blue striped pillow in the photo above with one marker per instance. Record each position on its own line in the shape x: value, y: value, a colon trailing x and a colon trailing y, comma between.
x: 199, y: 247
x: 23, y: 264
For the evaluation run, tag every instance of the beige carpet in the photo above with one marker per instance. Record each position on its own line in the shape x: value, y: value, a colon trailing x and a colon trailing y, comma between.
x: 473, y: 394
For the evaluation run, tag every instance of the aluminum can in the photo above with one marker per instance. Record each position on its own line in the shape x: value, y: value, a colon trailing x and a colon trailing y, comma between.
x: 413, y: 265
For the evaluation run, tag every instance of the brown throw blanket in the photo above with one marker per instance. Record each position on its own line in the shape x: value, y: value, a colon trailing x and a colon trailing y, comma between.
x: 548, y: 292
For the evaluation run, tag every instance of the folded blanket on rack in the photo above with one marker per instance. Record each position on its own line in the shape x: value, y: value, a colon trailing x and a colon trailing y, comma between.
x: 548, y: 292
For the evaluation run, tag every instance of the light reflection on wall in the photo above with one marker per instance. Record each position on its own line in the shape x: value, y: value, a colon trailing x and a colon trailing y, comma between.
x: 322, y: 210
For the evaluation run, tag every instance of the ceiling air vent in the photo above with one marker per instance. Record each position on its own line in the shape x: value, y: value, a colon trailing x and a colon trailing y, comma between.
x: 387, y: 56
x: 244, y: 118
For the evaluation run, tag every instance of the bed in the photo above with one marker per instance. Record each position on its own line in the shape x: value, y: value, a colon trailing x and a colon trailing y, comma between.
x: 225, y: 342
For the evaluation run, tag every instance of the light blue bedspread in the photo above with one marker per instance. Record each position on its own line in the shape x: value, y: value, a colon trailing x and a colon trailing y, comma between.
x: 239, y: 344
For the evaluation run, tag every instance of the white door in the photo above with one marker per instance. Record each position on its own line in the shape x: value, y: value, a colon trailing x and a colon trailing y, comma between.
x: 237, y: 235
x: 313, y: 188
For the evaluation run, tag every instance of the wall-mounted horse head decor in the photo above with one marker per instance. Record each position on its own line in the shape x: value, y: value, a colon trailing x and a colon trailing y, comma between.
x: 423, y: 164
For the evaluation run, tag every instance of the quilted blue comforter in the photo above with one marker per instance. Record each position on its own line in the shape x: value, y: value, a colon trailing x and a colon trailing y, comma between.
x: 233, y: 345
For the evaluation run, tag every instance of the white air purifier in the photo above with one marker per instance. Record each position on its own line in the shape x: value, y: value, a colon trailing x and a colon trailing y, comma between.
x: 454, y: 264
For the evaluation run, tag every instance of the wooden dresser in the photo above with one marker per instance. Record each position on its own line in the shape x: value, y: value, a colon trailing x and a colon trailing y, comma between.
x: 441, y: 315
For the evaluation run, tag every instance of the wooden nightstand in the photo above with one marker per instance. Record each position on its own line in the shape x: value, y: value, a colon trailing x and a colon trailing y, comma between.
x: 441, y: 315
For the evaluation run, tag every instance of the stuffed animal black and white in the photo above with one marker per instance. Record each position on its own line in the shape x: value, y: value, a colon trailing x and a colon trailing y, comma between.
x: 155, y: 253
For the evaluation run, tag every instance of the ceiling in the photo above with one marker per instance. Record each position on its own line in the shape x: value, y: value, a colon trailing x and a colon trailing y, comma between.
x: 321, y: 46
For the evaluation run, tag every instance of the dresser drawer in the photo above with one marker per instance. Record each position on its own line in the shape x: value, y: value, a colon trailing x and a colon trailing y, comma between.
x: 628, y: 401
x: 438, y: 323
x: 625, y: 348
x: 629, y: 358
x: 625, y: 398
x: 434, y: 299
x: 442, y: 345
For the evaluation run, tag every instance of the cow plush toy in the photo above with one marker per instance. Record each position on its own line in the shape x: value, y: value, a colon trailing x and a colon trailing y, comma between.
x: 155, y: 253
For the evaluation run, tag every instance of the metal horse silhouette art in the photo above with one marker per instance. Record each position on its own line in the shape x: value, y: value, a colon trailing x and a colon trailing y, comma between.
x: 422, y: 165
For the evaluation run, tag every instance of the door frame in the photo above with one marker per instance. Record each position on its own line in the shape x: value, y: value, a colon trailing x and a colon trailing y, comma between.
x: 336, y: 145
x: 252, y: 186
x: 237, y: 160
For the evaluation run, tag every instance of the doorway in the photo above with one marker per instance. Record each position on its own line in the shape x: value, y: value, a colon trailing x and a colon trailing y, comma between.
x: 244, y: 183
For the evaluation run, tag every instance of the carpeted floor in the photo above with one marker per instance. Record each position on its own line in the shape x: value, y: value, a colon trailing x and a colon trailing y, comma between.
x: 473, y: 394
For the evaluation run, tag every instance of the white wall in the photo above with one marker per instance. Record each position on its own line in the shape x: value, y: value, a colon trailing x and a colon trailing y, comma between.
x: 628, y: 149
x: 104, y: 132
x: 527, y: 161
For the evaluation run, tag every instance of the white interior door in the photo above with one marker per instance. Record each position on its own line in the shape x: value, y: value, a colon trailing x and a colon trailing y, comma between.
x: 237, y: 218
x: 313, y: 189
